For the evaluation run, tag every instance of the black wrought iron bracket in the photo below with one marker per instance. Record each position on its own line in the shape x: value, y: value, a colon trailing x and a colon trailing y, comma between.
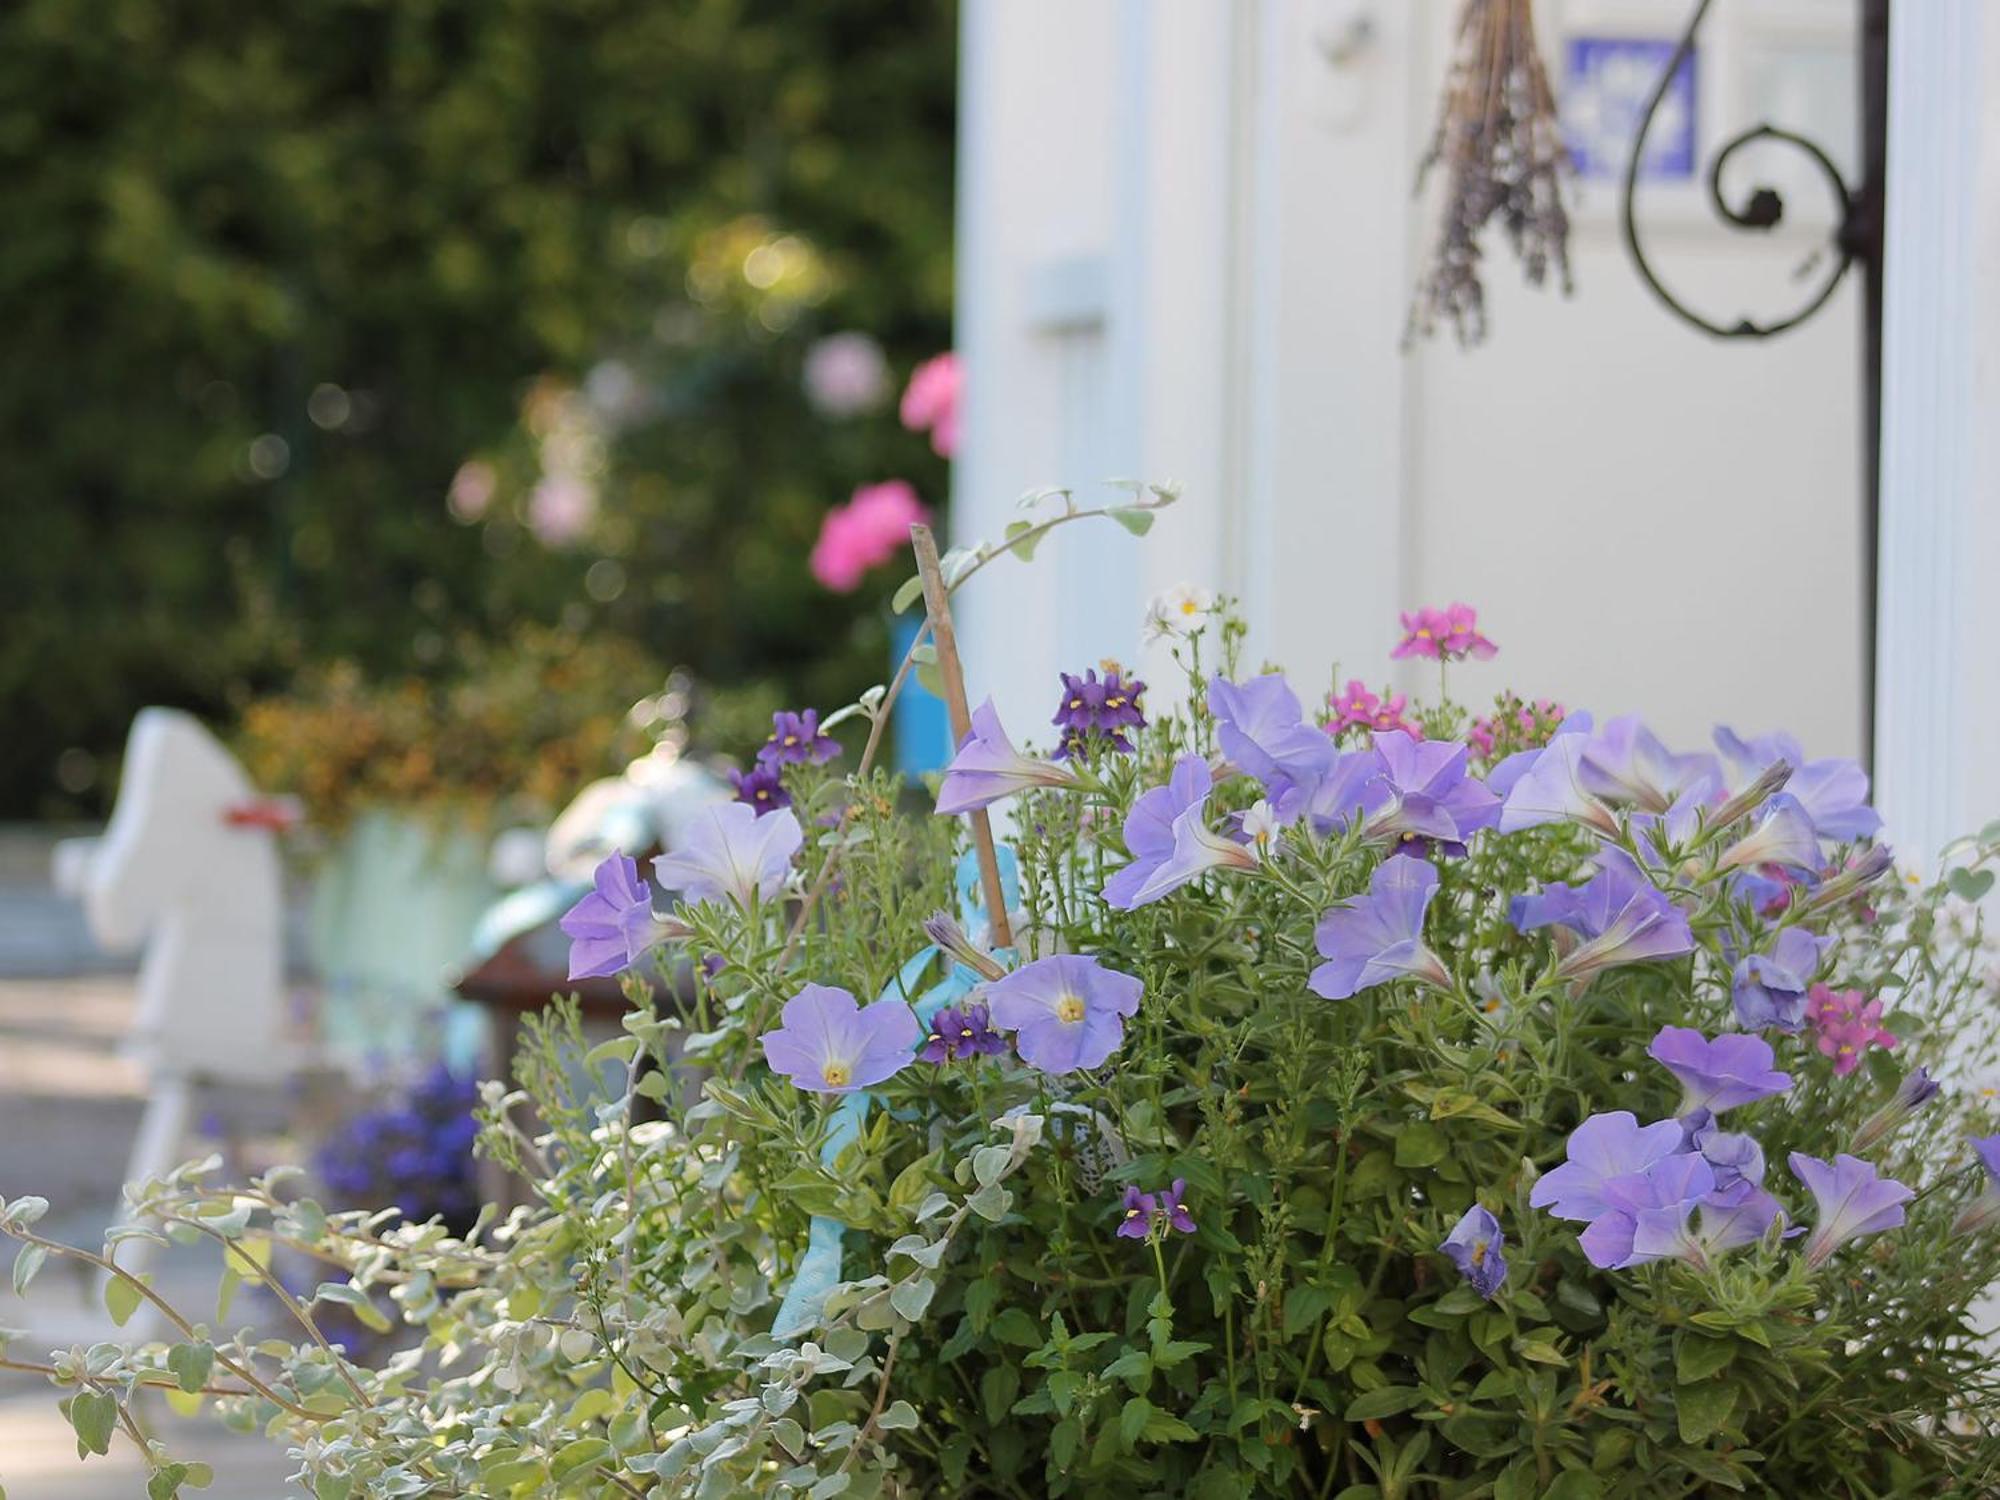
x: 1856, y: 238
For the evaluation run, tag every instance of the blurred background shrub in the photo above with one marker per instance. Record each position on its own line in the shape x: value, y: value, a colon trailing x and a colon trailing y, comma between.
x: 366, y: 331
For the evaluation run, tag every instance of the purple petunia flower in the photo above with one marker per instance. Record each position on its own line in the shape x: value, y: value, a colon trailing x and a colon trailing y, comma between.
x: 1784, y: 836
x: 1546, y: 785
x: 987, y: 767
x: 1736, y: 1160
x: 1735, y: 1068
x: 1603, y: 1147
x: 1098, y: 712
x: 1730, y: 1220
x: 611, y: 928
x: 1262, y: 729
x: 1916, y: 1089
x: 1355, y: 787
x: 961, y: 1031
x: 1624, y: 761
x: 1852, y: 1200
x: 830, y: 1045
x: 1621, y: 915
x: 1476, y: 1245
x: 1646, y: 1213
x: 1433, y: 798
x: 796, y: 740
x: 1834, y: 792
x: 732, y: 854
x: 1771, y: 989
x: 1983, y: 1212
x: 1149, y: 832
x: 1136, y: 1223
x: 761, y: 787
x: 1377, y: 938
x: 1066, y: 1011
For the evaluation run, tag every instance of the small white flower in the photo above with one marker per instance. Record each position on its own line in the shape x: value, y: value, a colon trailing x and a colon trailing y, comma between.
x: 1260, y: 826
x: 1178, y: 613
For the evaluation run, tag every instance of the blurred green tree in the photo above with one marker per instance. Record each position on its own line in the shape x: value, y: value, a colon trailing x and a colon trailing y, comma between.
x: 273, y: 275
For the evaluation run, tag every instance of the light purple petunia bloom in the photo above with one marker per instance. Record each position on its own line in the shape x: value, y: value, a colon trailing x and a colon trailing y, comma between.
x: 731, y: 853
x: 1983, y: 1212
x: 1624, y: 761
x: 1735, y: 1068
x: 1916, y: 1089
x: 1260, y: 726
x: 796, y: 740
x: 1355, y: 787
x: 1621, y: 915
x: 1476, y: 1246
x: 1067, y: 1011
x: 1377, y: 938
x: 1852, y: 1200
x: 1549, y: 788
x: 1737, y: 1161
x: 1730, y: 1220
x: 830, y: 1045
x: 611, y: 928
x: 1603, y: 1147
x: 1502, y: 777
x: 1149, y: 831
x: 1772, y: 989
x: 1784, y: 836
x: 1833, y: 791
x: 987, y: 767
x: 1646, y: 1213
x: 1433, y: 798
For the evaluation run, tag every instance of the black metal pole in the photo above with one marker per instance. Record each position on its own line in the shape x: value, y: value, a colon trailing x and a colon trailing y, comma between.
x: 1870, y: 223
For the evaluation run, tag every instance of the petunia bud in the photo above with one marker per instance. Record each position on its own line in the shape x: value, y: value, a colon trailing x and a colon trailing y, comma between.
x: 1912, y: 1094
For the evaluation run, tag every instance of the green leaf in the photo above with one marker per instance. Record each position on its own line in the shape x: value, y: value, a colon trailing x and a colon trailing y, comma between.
x: 1540, y: 1350
x: 1387, y: 1402
x: 1420, y: 1145
x: 1698, y: 1357
x: 166, y: 1482
x: 997, y: 1389
x: 1134, y: 1367
x: 26, y: 1264
x: 1969, y: 885
x: 191, y: 1365
x: 1022, y: 538
x: 1063, y: 1441
x: 899, y: 1415
x: 1574, y: 1484
x: 1703, y: 1408
x: 1303, y: 1305
x: 1136, y: 519
x: 94, y: 1415
x: 911, y: 1298
x: 121, y: 1299
x: 1015, y: 1326
x: 1132, y: 1420
x: 907, y: 593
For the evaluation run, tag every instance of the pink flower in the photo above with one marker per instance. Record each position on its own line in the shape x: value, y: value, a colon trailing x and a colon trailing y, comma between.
x: 1449, y: 634
x: 560, y: 509
x: 871, y: 528
x: 930, y: 402
x: 1847, y: 1025
x: 1357, y: 708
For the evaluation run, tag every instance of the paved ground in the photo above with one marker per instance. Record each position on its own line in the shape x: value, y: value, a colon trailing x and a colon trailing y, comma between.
x: 69, y: 1105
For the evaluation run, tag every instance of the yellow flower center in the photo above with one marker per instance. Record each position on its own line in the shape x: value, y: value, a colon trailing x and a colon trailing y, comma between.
x: 1070, y: 1008
x: 1189, y: 607
x: 837, y: 1074
x: 791, y: 739
x: 1115, y: 701
x: 1133, y: 1213
x: 1423, y: 634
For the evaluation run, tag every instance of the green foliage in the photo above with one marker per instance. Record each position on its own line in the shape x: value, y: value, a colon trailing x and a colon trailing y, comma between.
x: 997, y: 1337
x: 275, y: 273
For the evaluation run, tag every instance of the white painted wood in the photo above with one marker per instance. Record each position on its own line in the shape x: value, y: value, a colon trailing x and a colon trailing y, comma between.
x: 1938, y: 653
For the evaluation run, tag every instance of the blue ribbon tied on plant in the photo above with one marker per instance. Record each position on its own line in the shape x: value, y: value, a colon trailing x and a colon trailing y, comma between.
x: 818, y: 1270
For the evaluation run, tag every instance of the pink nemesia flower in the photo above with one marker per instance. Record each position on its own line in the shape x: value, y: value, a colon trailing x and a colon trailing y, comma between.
x: 1450, y: 634
x: 1357, y: 708
x: 930, y: 402
x: 871, y: 528
x: 1847, y: 1024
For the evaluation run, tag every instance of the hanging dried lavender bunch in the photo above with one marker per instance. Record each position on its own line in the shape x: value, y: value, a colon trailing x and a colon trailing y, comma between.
x: 1500, y: 141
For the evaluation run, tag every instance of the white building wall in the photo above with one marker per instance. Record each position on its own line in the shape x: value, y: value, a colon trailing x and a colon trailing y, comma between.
x: 1187, y: 245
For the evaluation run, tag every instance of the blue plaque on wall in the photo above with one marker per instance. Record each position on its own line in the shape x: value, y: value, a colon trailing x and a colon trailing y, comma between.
x: 1607, y: 81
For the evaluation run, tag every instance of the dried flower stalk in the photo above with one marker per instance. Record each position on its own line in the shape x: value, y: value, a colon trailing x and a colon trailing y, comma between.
x: 1499, y: 139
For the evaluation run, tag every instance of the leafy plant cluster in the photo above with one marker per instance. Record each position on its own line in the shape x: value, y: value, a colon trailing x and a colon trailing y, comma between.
x: 992, y: 1333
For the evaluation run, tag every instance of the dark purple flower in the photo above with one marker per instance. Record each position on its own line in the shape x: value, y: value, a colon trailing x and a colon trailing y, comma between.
x: 1772, y: 989
x: 987, y: 767
x: 1621, y: 915
x: 1603, y: 1147
x: 1173, y: 1212
x: 1376, y: 938
x: 829, y: 1044
x: 1735, y: 1068
x: 1067, y: 1011
x: 1476, y: 1245
x: 761, y: 787
x: 1136, y: 1223
x: 961, y: 1031
x: 1433, y: 798
x: 1094, y: 712
x: 1261, y: 728
x: 1852, y: 1200
x: 796, y: 740
x: 611, y: 928
x: 1916, y: 1089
